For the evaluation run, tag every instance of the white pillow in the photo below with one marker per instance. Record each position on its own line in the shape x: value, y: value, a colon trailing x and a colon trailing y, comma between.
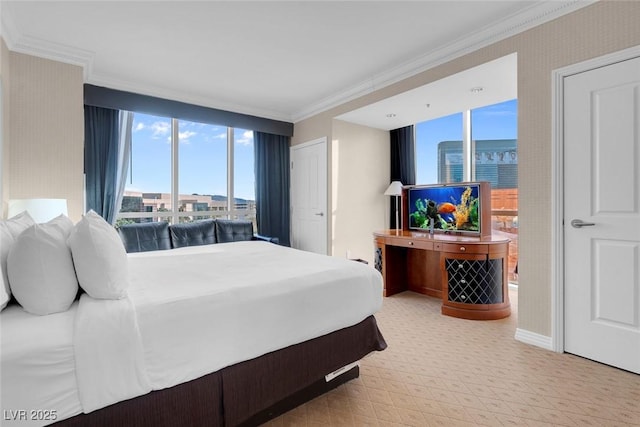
x: 99, y: 257
x: 40, y: 268
x: 4, y: 294
x: 9, y: 230
x: 18, y: 223
x: 6, y: 241
x: 63, y: 223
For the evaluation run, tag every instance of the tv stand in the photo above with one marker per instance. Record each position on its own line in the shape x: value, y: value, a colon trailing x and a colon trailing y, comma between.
x: 469, y: 274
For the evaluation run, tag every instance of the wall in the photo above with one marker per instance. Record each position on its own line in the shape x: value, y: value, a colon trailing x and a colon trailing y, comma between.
x: 359, y: 176
x: 46, y: 138
x: 593, y: 31
x: 5, y: 78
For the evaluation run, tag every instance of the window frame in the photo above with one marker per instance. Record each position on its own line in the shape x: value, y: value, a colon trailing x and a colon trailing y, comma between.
x: 175, y: 216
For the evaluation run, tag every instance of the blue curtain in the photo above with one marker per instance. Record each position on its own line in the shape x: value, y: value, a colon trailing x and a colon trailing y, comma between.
x: 272, y: 185
x: 403, y: 160
x: 101, y: 138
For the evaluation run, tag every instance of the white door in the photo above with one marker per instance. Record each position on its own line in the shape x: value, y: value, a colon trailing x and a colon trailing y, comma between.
x: 309, y: 196
x: 602, y: 190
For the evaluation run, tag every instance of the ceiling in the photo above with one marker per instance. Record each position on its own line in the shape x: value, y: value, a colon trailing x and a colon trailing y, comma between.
x: 283, y: 60
x: 487, y: 84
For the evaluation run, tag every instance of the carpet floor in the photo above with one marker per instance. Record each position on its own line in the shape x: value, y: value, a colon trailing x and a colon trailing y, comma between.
x: 443, y: 371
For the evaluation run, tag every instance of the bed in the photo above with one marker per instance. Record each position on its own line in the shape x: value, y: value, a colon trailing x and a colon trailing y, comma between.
x: 223, y: 335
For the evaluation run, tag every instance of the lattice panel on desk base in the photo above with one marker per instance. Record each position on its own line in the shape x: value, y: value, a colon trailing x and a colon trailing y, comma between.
x: 378, y: 260
x: 473, y: 281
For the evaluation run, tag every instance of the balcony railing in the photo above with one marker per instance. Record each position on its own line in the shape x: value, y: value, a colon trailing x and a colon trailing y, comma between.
x: 186, y: 216
x: 504, y: 222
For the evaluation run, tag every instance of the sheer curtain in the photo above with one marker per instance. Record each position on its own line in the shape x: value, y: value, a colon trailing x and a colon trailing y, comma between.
x: 107, y: 146
x: 124, y: 157
x: 272, y: 185
x: 403, y: 160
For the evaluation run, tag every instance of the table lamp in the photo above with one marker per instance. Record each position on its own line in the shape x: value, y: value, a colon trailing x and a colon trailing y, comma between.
x: 395, y: 189
x: 41, y: 210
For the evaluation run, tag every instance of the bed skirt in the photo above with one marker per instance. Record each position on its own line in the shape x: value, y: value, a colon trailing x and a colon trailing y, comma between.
x: 248, y: 393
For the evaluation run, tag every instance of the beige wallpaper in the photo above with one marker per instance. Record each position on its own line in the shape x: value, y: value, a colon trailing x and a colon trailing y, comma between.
x: 359, y: 176
x: 45, y: 143
x: 5, y: 124
x: 593, y: 31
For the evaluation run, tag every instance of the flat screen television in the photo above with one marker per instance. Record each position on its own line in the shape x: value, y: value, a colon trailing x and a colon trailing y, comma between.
x: 460, y: 208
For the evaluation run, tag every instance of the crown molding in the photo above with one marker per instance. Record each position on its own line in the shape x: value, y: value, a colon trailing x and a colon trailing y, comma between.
x: 7, y: 29
x: 537, y: 14
x: 18, y: 42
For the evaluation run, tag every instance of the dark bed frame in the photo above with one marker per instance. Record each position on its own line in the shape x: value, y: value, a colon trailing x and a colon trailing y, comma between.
x: 248, y: 393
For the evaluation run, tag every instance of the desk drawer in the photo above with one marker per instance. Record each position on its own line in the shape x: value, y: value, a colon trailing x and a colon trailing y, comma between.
x: 464, y: 248
x: 408, y: 243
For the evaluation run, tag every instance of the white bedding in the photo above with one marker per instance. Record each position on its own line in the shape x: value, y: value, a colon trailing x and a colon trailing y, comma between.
x: 197, y: 310
x: 108, y: 352
x: 37, y: 369
x: 238, y: 301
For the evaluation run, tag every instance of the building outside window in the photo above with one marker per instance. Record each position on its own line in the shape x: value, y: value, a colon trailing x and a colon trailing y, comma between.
x: 184, y: 171
x: 440, y: 148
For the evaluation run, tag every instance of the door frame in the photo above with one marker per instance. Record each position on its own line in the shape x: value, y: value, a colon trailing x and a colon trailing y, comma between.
x: 557, y: 182
x: 322, y: 141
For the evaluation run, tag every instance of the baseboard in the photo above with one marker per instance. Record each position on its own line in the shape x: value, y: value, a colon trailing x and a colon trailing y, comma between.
x: 532, y: 338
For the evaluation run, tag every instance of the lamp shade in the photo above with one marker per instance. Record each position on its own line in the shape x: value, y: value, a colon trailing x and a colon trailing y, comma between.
x: 41, y: 210
x: 394, y: 189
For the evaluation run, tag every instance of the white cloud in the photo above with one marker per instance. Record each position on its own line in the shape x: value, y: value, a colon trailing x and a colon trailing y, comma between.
x: 160, y: 129
x: 139, y: 127
x: 184, y: 136
x: 222, y: 135
x: 246, y: 138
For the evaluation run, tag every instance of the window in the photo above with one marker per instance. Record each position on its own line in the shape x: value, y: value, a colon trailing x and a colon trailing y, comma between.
x: 148, y: 188
x: 439, y: 150
x: 183, y: 171
x: 244, y: 175
x: 202, y: 169
x: 492, y: 148
x: 493, y: 128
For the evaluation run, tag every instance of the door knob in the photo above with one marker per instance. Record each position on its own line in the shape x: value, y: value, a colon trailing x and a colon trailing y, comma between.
x: 578, y: 223
x: 320, y: 214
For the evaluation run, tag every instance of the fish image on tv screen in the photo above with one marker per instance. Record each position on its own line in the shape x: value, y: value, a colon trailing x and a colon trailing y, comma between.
x: 451, y: 207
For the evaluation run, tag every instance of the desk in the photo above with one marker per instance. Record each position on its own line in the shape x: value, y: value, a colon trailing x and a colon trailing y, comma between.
x: 469, y: 274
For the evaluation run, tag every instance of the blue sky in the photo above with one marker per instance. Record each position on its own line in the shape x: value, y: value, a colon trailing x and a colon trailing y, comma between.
x: 202, y: 158
x: 203, y: 150
x: 497, y: 121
